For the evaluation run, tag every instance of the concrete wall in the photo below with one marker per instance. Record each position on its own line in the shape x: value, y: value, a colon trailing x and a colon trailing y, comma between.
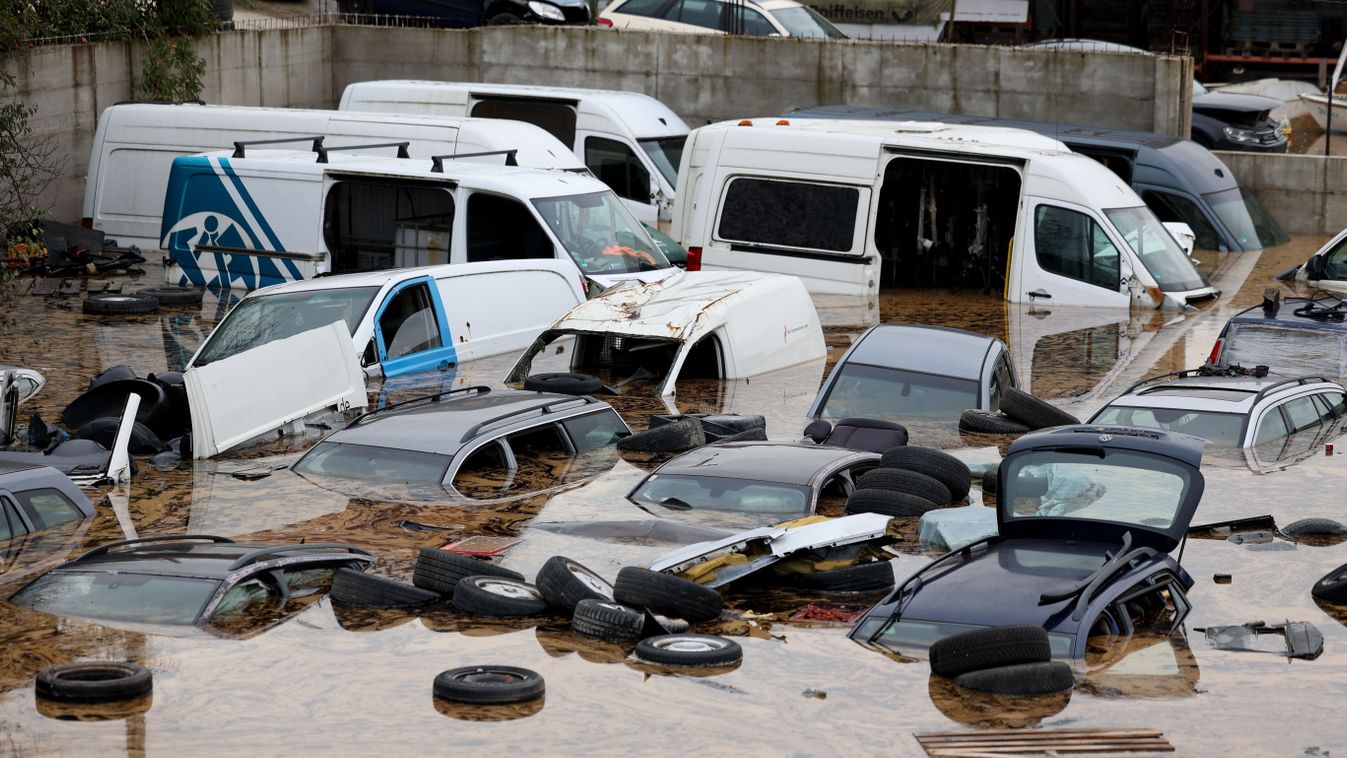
x: 1306, y: 193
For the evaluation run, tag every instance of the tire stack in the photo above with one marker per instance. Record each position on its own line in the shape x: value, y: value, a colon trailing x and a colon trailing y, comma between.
x: 909, y: 482
x: 1020, y: 412
x: 1002, y: 660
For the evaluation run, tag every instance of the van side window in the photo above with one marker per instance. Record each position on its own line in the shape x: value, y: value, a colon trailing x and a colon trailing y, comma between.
x: 503, y: 229
x: 363, y: 220
x: 1170, y: 207
x: 1073, y: 245
x: 617, y: 166
x: 789, y: 214
x: 555, y: 118
x: 408, y: 324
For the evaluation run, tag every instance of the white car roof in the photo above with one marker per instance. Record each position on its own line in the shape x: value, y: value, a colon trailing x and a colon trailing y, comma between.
x: 1219, y: 394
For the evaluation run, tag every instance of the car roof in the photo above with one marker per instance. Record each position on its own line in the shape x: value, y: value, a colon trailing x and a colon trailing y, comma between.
x: 784, y: 462
x: 928, y: 349
x: 1230, y: 394
x: 198, y: 560
x: 10, y: 467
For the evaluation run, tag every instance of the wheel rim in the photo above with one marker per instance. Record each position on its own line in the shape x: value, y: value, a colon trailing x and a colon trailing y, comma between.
x: 507, y: 588
x: 689, y: 644
x: 592, y: 581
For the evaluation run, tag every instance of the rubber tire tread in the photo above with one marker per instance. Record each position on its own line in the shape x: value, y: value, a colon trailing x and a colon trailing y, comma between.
x: 353, y: 587
x: 888, y: 503
x: 607, y: 620
x: 1032, y: 412
x: 55, y: 682
x: 990, y: 480
x: 1332, y: 587
x: 987, y: 422
x: 1042, y: 678
x: 448, y: 686
x: 565, y: 384
x: 439, y: 571
x: 863, y: 577
x: 173, y: 296
x: 649, y: 651
x: 1314, y: 527
x: 676, y: 437
x: 469, y: 598
x: 114, y: 304
x: 910, y: 482
x: 667, y: 594
x: 562, y: 589
x: 992, y: 647
x: 937, y: 464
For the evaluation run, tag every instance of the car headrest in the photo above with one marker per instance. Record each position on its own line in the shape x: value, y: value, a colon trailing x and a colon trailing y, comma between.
x: 868, y: 434
x: 818, y: 430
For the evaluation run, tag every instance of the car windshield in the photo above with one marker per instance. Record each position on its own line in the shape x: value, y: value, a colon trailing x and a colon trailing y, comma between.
x: 601, y: 234
x: 1122, y: 487
x: 118, y: 597
x: 384, y: 464
x: 1247, y: 219
x: 265, y: 318
x: 803, y: 21
x: 1221, y: 429
x: 680, y: 492
x: 886, y: 393
x: 1158, y: 251
x: 666, y: 153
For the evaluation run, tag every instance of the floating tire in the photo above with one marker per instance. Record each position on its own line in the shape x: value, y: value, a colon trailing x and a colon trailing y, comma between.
x: 109, y: 400
x: 498, y: 596
x: 1314, y: 527
x: 1332, y: 587
x: 608, y: 620
x: 354, y: 587
x: 1047, y: 678
x: 104, y: 431
x: 565, y: 384
x: 988, y: 422
x: 489, y: 685
x: 990, y: 479
x: 910, y: 482
x: 439, y: 571
x: 888, y: 503
x: 863, y: 577
x: 564, y: 583
x: 992, y: 647
x: 937, y: 464
x: 667, y: 594
x: 173, y: 296
x: 113, y: 304
x: 691, y: 650
x: 676, y: 437
x: 93, y: 681
x: 1032, y: 412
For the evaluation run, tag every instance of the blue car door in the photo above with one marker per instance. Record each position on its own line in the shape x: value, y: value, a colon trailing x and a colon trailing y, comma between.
x: 411, y: 331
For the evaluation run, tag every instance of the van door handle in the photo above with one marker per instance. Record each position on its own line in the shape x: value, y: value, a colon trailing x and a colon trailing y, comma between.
x: 1040, y: 292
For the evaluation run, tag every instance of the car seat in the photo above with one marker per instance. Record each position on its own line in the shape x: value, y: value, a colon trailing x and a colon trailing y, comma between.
x: 858, y: 434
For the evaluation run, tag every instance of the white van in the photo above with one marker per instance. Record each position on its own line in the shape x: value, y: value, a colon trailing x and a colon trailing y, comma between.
x: 136, y: 142
x: 632, y: 142
x: 855, y: 207
x: 253, y: 218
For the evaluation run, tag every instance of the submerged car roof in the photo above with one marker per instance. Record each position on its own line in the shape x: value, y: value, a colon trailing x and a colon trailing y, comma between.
x: 784, y: 462
x: 1234, y: 394
x: 196, y: 560
x: 10, y: 467
x: 928, y: 349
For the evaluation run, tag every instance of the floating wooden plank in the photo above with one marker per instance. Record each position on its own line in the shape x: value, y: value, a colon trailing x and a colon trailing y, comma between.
x: 45, y: 286
x: 1023, y: 742
x: 70, y: 287
x: 114, y: 287
x: 97, y: 285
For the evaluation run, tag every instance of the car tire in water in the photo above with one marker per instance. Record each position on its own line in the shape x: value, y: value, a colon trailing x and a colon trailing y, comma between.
x: 354, y: 587
x: 1045, y: 678
x: 498, y: 596
x: 438, y: 571
x: 987, y: 648
x: 608, y: 620
x: 1314, y: 527
x: 115, y: 304
x: 1332, y: 588
x: 910, y: 482
x: 1032, y: 412
x: 937, y: 464
x: 863, y: 577
x: 104, y: 431
x: 989, y: 422
x: 489, y: 685
x: 888, y: 503
x: 564, y: 583
x: 173, y: 296
x: 689, y: 650
x: 565, y: 384
x: 93, y: 681
x: 667, y: 594
x: 989, y: 480
x: 683, y: 434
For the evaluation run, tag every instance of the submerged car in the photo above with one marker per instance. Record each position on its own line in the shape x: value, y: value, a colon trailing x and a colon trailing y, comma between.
x: 1326, y: 268
x: 907, y: 371
x: 1229, y: 411
x: 1295, y: 336
x: 1087, y: 516
x: 178, y: 580
x: 35, y: 497
x: 755, y: 18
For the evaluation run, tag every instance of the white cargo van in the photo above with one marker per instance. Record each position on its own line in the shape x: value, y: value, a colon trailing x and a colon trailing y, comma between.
x: 253, y: 218
x: 855, y: 207
x: 632, y: 142
x: 136, y: 142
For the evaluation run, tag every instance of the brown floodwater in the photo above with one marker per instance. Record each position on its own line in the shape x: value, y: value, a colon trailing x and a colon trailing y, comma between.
x: 320, y: 678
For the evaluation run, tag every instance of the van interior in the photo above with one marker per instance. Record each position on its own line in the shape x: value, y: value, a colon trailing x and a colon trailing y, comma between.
x: 500, y: 228
x: 362, y: 219
x: 631, y: 365
x: 943, y: 223
x: 556, y: 117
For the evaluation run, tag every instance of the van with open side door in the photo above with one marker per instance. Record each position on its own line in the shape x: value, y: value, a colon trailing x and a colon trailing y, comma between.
x: 630, y: 141
x: 853, y: 206
x: 135, y: 145
x: 253, y: 218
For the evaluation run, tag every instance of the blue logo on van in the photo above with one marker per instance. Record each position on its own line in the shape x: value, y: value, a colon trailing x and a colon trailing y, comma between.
x: 215, y: 216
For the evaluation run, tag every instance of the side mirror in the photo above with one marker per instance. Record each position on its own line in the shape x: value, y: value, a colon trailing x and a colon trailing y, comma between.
x: 370, y: 356
x: 1182, y: 234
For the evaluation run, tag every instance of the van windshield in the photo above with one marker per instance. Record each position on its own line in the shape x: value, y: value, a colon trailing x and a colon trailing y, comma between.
x: 267, y: 318
x: 666, y: 153
x: 601, y: 234
x: 1248, y: 220
x: 1158, y: 251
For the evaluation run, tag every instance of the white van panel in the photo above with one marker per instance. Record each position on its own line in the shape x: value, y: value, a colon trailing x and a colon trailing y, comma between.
x: 487, y: 316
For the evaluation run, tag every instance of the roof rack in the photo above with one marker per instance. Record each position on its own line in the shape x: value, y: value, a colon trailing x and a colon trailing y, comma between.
x: 253, y: 556
x: 1298, y: 381
x: 240, y: 152
x: 104, y: 549
x: 475, y: 389
x: 1206, y: 370
x: 323, y: 151
x: 437, y: 161
x: 541, y: 410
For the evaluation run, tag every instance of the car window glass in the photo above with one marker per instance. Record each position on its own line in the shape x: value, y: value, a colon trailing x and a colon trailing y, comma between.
x: 703, y: 13
x: 1123, y: 487
x: 500, y: 228
x: 1000, y: 380
x: 1218, y: 428
x: 377, y: 224
x: 1303, y: 414
x: 642, y: 7
x: 617, y: 165
x: 1270, y: 427
x: 1170, y: 207
x: 749, y: 22
x: 595, y: 431
x: 368, y: 462
x: 118, y: 597
x: 258, y: 320
x: 1335, y: 262
x: 408, y: 323
x: 789, y: 214
x: 1336, y: 402
x: 10, y: 524
x: 719, y: 493
x: 49, y: 507
x: 1073, y: 245
x: 243, y: 598
x: 890, y: 394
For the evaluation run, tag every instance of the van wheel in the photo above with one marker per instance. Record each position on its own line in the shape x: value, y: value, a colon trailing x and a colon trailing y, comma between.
x: 1314, y: 527
x: 170, y: 296
x: 504, y: 19
x: 1332, y: 588
x: 489, y: 685
x: 863, y: 577
x: 689, y: 650
x: 565, y: 384
x: 564, y: 583
x: 112, y: 304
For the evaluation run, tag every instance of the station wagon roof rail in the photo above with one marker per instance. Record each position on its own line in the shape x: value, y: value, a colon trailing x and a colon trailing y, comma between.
x: 1262, y: 393
x: 253, y: 556
x: 540, y: 410
x: 477, y: 389
x: 104, y: 549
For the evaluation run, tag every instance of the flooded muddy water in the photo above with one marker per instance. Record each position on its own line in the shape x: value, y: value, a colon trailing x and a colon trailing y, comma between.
x: 320, y: 678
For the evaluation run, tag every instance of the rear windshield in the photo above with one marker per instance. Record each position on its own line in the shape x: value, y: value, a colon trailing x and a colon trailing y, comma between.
x: 723, y: 494
x: 885, y: 393
x: 267, y: 318
x: 1218, y: 428
x: 383, y: 464
x: 1122, y: 487
x: 118, y: 597
x: 1286, y: 348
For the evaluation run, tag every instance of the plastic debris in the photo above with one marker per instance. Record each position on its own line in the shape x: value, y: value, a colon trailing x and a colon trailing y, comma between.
x: 952, y: 528
x: 1293, y: 639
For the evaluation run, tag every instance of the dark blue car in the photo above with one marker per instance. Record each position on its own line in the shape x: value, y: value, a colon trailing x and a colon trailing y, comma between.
x: 1087, y: 517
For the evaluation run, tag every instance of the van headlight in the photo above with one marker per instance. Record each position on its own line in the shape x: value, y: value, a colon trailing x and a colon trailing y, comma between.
x: 1232, y: 133
x: 546, y: 10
